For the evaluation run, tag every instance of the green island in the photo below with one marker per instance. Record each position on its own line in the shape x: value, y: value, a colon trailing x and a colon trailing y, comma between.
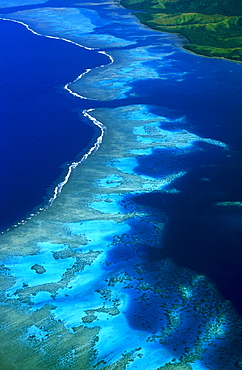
x: 213, y: 28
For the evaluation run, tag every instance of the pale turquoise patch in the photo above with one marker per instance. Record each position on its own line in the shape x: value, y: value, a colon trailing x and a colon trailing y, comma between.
x: 110, y: 181
x: 42, y: 297
x: 106, y: 207
x: 148, y: 186
x: 141, y: 152
x: 98, y: 232
x: 198, y: 365
x: 126, y: 165
x: 140, y: 130
x: 107, y: 203
x: 36, y: 333
x: 21, y: 268
x: 82, y: 294
x: 148, y: 357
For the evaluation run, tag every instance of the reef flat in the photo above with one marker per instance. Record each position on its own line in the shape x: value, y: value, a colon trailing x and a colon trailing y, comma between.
x: 88, y: 283
x: 212, y: 28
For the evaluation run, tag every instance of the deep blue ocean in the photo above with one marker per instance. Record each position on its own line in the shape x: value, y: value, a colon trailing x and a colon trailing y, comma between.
x: 41, y: 131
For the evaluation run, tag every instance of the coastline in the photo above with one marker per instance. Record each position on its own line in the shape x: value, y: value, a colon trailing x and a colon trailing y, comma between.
x: 210, y: 35
x: 91, y: 266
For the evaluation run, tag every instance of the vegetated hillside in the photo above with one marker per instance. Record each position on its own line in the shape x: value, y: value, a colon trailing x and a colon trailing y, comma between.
x: 214, y: 28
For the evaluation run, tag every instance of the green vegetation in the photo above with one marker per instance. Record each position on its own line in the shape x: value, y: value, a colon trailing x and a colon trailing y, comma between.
x: 213, y: 28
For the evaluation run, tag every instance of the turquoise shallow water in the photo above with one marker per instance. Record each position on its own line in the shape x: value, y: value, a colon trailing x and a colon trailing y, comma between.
x: 136, y: 264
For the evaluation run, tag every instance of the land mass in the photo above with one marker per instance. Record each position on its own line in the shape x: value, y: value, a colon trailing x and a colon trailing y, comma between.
x: 213, y: 28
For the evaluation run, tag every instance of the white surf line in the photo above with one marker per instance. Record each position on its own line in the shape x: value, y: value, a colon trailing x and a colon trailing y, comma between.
x: 61, y: 38
x: 66, y: 87
x: 48, y: 36
x: 73, y: 165
x: 93, y: 149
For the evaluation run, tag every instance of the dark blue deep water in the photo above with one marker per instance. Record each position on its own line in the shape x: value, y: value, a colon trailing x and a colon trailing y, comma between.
x: 40, y: 129
x: 200, y: 234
